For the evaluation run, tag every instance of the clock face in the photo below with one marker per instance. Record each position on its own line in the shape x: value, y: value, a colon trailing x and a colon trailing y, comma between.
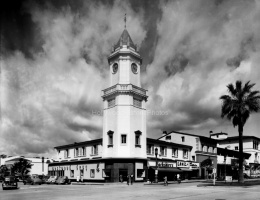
x: 134, y: 68
x: 115, y: 68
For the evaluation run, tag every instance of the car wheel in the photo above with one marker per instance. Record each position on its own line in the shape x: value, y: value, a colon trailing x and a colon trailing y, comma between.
x: 39, y: 183
x: 24, y: 183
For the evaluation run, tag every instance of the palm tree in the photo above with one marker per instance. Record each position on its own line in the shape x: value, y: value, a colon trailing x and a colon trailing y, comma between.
x: 237, y: 107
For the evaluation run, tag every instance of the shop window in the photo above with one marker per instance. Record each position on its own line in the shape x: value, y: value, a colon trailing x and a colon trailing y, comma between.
x: 185, y: 153
x: 110, y: 138
x: 150, y: 149
x: 183, y: 139
x: 175, y: 152
x: 92, y: 173
x: 140, y: 173
x: 106, y: 173
x: 163, y: 151
x: 111, y: 102
x: 71, y: 173
x: 94, y: 150
x: 123, y: 139
x: 138, y: 138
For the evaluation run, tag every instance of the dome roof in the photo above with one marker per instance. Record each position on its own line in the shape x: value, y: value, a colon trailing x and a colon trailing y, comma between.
x: 125, y: 39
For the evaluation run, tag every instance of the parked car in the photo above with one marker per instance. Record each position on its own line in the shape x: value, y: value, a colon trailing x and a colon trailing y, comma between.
x: 34, y: 179
x: 63, y: 180
x: 52, y: 179
x: 44, y: 178
x: 9, y: 182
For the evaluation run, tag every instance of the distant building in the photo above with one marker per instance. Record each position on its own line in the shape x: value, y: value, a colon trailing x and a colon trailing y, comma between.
x: 39, y: 166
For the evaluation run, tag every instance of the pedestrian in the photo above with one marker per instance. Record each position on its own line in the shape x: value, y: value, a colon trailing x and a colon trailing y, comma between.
x: 178, y: 178
x: 132, y: 179
x: 128, y: 178
x: 121, y: 178
x: 165, y: 181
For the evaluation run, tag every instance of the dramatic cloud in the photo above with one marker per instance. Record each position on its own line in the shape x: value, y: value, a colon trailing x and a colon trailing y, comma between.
x: 54, y: 66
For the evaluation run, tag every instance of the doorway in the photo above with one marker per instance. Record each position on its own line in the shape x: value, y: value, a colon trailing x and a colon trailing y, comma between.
x: 123, y: 172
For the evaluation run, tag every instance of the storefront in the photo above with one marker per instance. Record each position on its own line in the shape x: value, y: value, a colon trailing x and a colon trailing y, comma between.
x: 170, y: 168
x: 254, y: 169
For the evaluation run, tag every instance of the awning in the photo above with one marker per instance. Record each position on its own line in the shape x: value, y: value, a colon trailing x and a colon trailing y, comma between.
x: 167, y: 169
x: 185, y: 169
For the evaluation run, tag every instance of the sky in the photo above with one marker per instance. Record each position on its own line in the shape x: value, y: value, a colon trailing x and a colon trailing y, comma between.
x: 54, y: 66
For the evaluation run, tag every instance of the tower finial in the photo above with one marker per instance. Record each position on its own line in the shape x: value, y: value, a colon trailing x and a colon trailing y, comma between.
x: 125, y: 20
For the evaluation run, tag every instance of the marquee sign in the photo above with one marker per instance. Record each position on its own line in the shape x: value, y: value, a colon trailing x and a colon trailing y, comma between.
x: 194, y: 165
x: 183, y: 164
x: 166, y: 164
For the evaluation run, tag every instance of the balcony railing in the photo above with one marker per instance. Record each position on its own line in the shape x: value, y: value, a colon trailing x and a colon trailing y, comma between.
x: 124, y: 88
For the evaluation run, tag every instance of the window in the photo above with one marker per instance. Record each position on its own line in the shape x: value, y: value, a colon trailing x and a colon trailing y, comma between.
x: 210, y: 149
x: 94, y: 150
x: 123, y: 139
x: 175, y: 152
x: 150, y: 149
x: 111, y: 102
x: 193, y: 158
x: 163, y: 151
x: 80, y: 151
x: 71, y: 173
x: 92, y: 173
x: 81, y: 172
x: 76, y: 152
x: 255, y: 144
x: 185, y: 153
x: 110, y: 138
x: 168, y: 137
x: 236, y: 147
x: 137, y: 103
x: 138, y: 138
x: 183, y: 139
x: 204, y: 148
x: 66, y: 153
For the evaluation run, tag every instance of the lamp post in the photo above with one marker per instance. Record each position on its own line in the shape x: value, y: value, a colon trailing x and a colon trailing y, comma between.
x: 156, y: 171
x: 225, y: 161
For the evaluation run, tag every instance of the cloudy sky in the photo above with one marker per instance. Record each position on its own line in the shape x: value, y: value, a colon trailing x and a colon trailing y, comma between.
x: 54, y: 66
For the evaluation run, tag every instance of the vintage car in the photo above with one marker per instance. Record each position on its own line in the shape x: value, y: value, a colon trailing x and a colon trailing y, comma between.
x: 9, y: 182
x: 63, y: 180
x: 52, y: 179
x: 34, y: 179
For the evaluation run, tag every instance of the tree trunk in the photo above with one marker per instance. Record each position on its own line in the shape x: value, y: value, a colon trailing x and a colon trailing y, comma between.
x: 241, y: 156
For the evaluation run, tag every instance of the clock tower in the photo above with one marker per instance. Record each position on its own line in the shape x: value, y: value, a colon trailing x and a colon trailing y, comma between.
x: 124, y: 119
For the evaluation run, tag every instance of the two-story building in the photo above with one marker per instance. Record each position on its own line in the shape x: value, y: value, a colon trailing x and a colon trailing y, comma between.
x: 203, y: 148
x: 250, y: 146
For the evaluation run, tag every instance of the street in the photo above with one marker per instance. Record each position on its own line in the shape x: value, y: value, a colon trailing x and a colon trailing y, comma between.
x: 185, y: 191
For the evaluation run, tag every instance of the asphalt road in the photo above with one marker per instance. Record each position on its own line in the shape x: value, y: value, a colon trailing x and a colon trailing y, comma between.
x: 184, y: 191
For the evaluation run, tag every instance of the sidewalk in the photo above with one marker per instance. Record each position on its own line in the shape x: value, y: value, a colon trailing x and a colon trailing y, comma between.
x: 247, y: 182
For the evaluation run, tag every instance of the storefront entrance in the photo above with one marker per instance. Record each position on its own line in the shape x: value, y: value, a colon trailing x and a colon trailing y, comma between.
x: 123, y: 173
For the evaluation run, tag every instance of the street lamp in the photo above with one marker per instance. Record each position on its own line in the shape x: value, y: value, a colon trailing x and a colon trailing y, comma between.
x: 156, y: 171
x: 225, y: 161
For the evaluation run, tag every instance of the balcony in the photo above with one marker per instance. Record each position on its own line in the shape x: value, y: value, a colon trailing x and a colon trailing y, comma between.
x: 124, y: 88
